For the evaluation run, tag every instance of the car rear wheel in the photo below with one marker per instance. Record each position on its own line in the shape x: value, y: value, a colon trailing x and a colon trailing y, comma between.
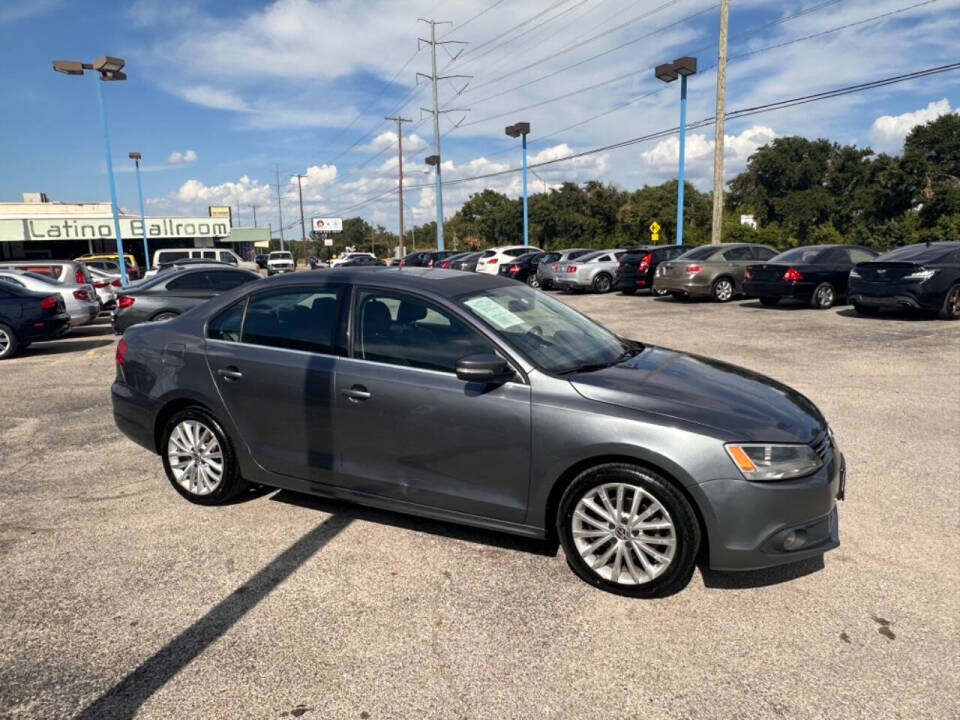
x: 164, y: 316
x: 602, y: 283
x: 865, y: 309
x: 722, y: 289
x: 8, y: 342
x: 824, y: 297
x: 198, y: 458
x: 628, y: 531
x: 769, y: 301
x: 951, y: 304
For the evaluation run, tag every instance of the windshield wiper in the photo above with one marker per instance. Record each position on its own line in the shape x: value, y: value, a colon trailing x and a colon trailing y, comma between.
x: 629, y: 352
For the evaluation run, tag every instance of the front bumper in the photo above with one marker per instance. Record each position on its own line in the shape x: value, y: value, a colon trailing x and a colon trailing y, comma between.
x: 749, y: 523
x: 279, y: 270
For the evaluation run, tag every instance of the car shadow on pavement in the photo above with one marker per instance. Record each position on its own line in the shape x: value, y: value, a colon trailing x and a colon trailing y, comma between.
x: 741, y: 580
x: 908, y: 315
x: 56, y: 347
x: 419, y: 524
x: 124, y: 699
x: 782, y: 305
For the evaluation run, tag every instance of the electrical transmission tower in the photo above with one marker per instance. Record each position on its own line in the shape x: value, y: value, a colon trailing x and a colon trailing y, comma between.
x: 436, y: 111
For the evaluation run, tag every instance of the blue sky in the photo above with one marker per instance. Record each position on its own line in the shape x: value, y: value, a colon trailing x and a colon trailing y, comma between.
x: 235, y: 87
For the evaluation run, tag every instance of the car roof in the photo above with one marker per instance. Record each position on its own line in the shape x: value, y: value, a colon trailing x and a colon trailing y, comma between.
x: 918, y: 251
x: 446, y: 283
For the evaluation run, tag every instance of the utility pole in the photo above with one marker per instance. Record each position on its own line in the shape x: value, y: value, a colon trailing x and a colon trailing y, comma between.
x: 718, y: 136
x: 238, y: 213
x: 279, y: 207
x: 303, y: 227
x: 434, y: 78
x: 400, y: 120
x: 254, y: 208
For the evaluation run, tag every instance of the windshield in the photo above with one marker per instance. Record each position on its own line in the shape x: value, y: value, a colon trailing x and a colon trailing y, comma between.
x: 281, y: 256
x: 799, y: 255
x: 700, y: 253
x: 550, y: 333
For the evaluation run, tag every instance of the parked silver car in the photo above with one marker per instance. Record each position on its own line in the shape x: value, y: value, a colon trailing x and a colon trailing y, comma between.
x: 106, y: 284
x: 65, y: 271
x: 594, y: 271
x: 80, y: 299
x: 547, y: 269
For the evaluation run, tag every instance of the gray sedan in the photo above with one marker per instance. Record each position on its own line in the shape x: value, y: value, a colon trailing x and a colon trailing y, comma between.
x: 80, y: 299
x: 593, y: 271
x: 714, y: 271
x: 519, y: 415
x: 547, y: 269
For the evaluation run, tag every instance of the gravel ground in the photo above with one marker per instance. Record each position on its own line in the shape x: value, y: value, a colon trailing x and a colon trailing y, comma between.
x: 121, y: 600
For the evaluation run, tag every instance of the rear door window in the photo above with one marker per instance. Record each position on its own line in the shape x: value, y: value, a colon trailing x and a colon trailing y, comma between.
x: 295, y: 319
x: 191, y: 282
x: 762, y: 253
x: 859, y: 255
x: 209, y: 254
x: 166, y: 256
x: 221, y: 280
x: 739, y: 253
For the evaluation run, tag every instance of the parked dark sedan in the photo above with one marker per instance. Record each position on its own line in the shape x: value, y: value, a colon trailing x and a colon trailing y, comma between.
x: 524, y: 268
x: 447, y: 262
x: 363, y: 261
x: 922, y: 277
x: 172, y: 293
x: 816, y: 274
x: 467, y: 263
x: 638, y: 267
x: 426, y: 258
x: 27, y: 317
x: 548, y: 423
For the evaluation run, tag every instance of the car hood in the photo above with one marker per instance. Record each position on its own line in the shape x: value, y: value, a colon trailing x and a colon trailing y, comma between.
x: 740, y: 404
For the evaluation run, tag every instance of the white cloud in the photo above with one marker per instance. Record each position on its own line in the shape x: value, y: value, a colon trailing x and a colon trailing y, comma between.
x: 388, y: 139
x: 194, y: 194
x: 177, y: 157
x: 211, y: 97
x: 888, y: 131
x: 661, y: 160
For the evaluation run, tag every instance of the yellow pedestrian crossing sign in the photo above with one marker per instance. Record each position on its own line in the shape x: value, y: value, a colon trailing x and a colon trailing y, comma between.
x: 655, y: 231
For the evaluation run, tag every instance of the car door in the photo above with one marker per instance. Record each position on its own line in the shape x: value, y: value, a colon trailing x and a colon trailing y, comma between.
x: 407, y: 428
x: 275, y: 376
x: 736, y: 259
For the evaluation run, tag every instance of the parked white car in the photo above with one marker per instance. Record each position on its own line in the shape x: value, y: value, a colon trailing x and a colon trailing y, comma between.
x: 491, y: 260
x: 80, y: 299
x: 225, y: 255
x: 106, y: 284
x: 350, y: 256
x: 280, y: 261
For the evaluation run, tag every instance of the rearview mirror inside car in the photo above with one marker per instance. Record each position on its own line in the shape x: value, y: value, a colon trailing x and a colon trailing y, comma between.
x: 485, y: 368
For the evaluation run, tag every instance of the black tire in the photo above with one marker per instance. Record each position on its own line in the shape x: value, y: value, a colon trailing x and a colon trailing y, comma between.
x: 230, y: 485
x: 769, y: 301
x: 602, y: 283
x: 532, y: 281
x: 865, y: 309
x: 686, y: 530
x: 677, y: 295
x: 951, y: 304
x: 164, y: 316
x: 8, y: 342
x: 824, y: 296
x: 723, y: 289
x: 628, y: 291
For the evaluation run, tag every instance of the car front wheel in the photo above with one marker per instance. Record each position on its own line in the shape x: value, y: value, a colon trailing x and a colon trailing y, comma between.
x: 198, y: 458
x: 627, y: 530
x: 951, y: 304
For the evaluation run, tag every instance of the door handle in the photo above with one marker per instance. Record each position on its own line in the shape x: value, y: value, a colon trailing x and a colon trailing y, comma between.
x: 357, y: 392
x: 230, y: 373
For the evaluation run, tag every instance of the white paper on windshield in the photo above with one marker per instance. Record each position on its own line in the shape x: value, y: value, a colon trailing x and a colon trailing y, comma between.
x: 494, y: 312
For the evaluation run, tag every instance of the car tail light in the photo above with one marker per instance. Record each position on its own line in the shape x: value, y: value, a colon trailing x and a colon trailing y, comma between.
x: 514, y: 269
x: 116, y: 283
x: 125, y: 301
x: 81, y: 295
x: 693, y: 269
x: 430, y: 264
x: 445, y: 264
x: 403, y: 262
x: 78, y: 276
x: 746, y: 274
x: 121, y: 350
x: 49, y: 302
x: 100, y: 284
x: 555, y: 266
x: 645, y: 263
x: 571, y: 268
x: 792, y: 275
x: 493, y: 261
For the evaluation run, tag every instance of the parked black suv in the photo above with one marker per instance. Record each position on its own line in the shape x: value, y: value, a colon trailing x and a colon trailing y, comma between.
x: 638, y: 266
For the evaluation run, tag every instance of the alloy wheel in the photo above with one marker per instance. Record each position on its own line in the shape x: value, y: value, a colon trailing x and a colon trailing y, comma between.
x: 723, y: 290
x: 4, y: 342
x: 532, y: 281
x: 824, y: 296
x: 624, y: 534
x: 952, y: 304
x: 602, y: 283
x: 196, y: 458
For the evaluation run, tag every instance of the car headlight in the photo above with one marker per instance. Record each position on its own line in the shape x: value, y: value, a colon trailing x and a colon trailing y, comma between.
x: 854, y: 273
x: 920, y: 275
x: 762, y: 461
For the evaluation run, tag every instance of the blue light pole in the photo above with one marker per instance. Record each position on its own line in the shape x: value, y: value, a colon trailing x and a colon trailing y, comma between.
x: 681, y: 67
x: 522, y: 129
x: 135, y: 156
x: 109, y: 69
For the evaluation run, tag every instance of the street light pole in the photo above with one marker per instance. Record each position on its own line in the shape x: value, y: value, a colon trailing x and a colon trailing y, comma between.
x: 522, y: 129
x: 135, y: 156
x: 254, y: 208
x: 303, y: 227
x: 668, y: 72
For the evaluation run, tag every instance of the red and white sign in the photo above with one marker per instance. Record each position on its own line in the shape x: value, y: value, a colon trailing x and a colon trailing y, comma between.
x: 326, y: 225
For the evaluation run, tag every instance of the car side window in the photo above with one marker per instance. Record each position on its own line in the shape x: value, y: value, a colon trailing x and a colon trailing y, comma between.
x: 516, y: 252
x: 401, y: 329
x: 834, y: 256
x: 190, y: 281
x: 221, y: 280
x: 209, y: 254
x: 8, y: 279
x: 739, y: 253
x: 762, y: 253
x: 172, y: 255
x: 296, y: 319
x: 226, y: 325
x: 859, y: 255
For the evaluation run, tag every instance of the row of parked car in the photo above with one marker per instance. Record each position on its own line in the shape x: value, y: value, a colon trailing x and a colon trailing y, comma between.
x: 924, y: 276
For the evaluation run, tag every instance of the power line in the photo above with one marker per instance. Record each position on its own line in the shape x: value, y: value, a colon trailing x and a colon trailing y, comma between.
x: 470, y: 20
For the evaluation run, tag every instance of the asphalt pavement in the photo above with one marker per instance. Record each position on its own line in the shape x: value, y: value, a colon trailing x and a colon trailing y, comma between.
x: 120, y: 600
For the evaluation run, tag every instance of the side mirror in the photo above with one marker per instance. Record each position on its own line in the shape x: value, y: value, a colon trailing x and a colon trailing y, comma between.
x: 484, y: 368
